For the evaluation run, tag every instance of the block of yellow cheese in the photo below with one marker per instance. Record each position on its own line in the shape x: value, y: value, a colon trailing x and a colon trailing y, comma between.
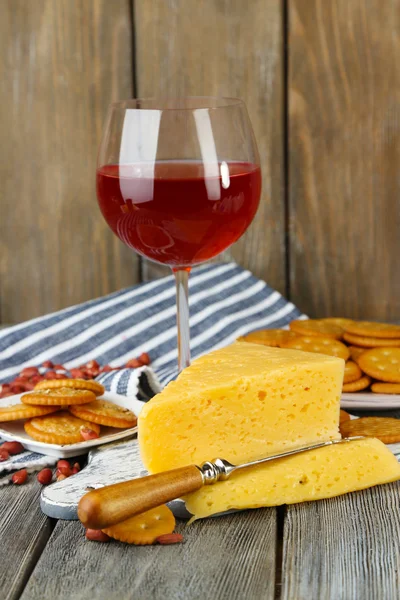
x: 321, y: 473
x: 241, y: 403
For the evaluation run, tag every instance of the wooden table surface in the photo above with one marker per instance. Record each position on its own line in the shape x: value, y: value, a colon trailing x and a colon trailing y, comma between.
x: 345, y: 548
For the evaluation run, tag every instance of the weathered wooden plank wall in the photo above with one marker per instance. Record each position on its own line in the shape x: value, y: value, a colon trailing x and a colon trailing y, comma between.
x: 62, y: 63
x: 344, y: 157
x: 321, y: 81
x: 225, y: 48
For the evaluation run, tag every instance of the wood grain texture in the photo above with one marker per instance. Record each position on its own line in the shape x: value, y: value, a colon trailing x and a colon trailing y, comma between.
x: 224, y: 48
x: 344, y: 149
x: 24, y: 531
x: 345, y: 548
x: 62, y: 63
x: 227, y: 558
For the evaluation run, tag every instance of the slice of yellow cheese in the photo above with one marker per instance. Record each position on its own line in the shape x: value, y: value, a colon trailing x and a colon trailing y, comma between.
x: 317, y: 474
x: 241, y: 403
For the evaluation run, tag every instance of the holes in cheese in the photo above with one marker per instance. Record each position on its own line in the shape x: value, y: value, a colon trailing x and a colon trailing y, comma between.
x: 321, y: 473
x: 241, y: 403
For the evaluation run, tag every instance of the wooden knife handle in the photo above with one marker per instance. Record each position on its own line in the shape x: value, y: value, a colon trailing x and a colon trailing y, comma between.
x: 115, y: 503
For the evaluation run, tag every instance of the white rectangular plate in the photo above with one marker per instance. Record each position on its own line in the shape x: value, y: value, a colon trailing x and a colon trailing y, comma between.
x: 14, y: 431
x: 370, y: 401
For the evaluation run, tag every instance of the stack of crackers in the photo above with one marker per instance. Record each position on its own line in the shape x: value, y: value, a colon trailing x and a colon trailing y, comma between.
x: 371, y: 350
x: 67, y: 411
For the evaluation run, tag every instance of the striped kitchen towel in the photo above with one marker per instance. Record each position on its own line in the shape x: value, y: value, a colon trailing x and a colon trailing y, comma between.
x: 226, y: 301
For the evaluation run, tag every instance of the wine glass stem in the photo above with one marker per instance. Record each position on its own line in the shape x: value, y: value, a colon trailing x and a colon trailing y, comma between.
x: 182, y: 317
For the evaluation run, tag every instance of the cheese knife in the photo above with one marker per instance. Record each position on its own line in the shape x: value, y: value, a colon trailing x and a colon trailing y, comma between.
x: 112, y: 504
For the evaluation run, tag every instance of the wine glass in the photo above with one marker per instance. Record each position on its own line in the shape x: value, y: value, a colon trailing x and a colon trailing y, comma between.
x: 179, y: 181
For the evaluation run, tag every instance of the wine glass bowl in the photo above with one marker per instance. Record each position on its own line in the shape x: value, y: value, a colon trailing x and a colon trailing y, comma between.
x: 178, y: 180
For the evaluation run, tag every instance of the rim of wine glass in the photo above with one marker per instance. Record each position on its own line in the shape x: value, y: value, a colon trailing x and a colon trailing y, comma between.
x: 162, y: 102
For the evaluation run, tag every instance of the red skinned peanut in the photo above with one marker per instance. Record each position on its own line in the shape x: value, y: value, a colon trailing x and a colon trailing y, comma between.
x: 4, y: 455
x: 63, y: 463
x: 45, y: 476
x: 92, y: 373
x: 50, y: 375
x: 16, y: 388
x: 88, y: 434
x: 20, y: 380
x: 29, y: 372
x: 20, y: 477
x: 170, y: 538
x: 28, y: 386
x: 92, y: 364
x: 13, y: 447
x: 65, y: 471
x: 77, y: 373
x: 134, y: 363
x: 96, y: 535
x: 64, y: 468
x: 144, y: 358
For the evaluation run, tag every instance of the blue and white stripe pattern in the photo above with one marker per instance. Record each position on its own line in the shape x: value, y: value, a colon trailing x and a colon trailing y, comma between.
x: 226, y: 301
x: 31, y: 461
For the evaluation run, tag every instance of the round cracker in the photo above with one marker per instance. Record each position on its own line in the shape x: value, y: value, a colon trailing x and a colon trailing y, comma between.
x: 319, y: 344
x: 385, y: 429
x: 371, y: 342
x: 372, y: 329
x: 352, y: 372
x: 58, y: 396
x: 357, y: 386
x: 382, y: 364
x: 339, y: 321
x: 385, y: 388
x: 62, y: 428
x: 13, y: 412
x: 145, y: 528
x: 269, y: 337
x: 355, y: 353
x: 317, y: 327
x: 77, y: 384
x: 106, y: 413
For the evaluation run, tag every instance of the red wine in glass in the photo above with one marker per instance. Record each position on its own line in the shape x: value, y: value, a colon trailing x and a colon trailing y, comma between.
x: 176, y: 215
x: 178, y: 181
